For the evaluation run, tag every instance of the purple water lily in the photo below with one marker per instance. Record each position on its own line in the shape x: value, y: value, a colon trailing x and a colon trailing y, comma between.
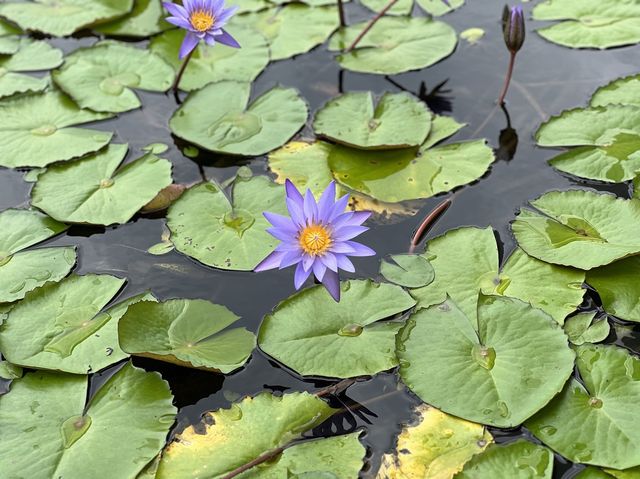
x: 317, y: 237
x: 203, y: 20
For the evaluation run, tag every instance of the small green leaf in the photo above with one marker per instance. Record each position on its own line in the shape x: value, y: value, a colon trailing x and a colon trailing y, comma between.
x: 582, y: 328
x: 145, y: 20
x: 516, y: 460
x: 409, y: 270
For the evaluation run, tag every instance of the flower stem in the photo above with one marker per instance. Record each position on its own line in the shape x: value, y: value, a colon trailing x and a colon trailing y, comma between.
x: 371, y: 23
x: 183, y: 67
x: 429, y: 220
x: 343, y: 23
x: 507, y: 79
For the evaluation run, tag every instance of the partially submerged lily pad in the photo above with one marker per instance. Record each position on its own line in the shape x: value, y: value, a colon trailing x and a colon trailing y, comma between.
x: 343, y: 340
x: 95, y: 190
x: 516, y: 460
x: 37, y: 130
x: 188, y: 332
x: 234, y: 127
x: 146, y: 19
x: 29, y: 56
x: 618, y: 287
x: 45, y: 414
x: 103, y: 77
x: 583, y: 328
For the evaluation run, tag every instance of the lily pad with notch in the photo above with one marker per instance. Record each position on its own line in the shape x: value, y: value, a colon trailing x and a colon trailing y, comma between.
x: 520, y: 459
x: 29, y: 56
x: 409, y: 270
x: 618, y: 287
x: 585, y: 328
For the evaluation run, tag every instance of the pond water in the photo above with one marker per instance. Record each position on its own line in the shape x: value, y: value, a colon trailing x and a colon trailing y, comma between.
x: 547, y: 80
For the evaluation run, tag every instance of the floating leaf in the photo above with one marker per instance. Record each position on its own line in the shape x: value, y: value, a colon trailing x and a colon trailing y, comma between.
x: 293, y: 29
x: 9, y: 45
x: 20, y: 229
x: 45, y: 414
x: 399, y: 120
x: 499, y: 374
x: 409, y: 270
x: 146, y: 19
x: 8, y: 29
x: 582, y: 328
x: 608, y: 400
x: 342, y: 340
x: 63, y: 17
x: 216, y: 63
x: 401, y: 7
x: 235, y: 128
x: 593, y: 473
x: 438, y: 7
x: 30, y: 56
x: 579, y: 228
x: 395, y: 45
x: 230, y: 438
x: 188, y: 332
x: 472, y: 35
x: 10, y: 371
x: 590, y: 23
x: 404, y: 7
x: 161, y: 248
x: 516, y: 460
x: 618, y: 287
x: 94, y: 190
x: 437, y: 446
x: 623, y: 91
x: 35, y: 130
x: 165, y: 198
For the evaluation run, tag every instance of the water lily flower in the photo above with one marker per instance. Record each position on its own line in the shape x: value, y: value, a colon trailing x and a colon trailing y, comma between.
x: 513, y: 30
x: 316, y: 237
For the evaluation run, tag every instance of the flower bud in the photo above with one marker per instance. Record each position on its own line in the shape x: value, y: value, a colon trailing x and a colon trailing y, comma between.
x: 513, y: 28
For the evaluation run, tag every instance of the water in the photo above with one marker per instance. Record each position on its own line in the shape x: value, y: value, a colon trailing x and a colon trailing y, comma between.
x: 547, y: 80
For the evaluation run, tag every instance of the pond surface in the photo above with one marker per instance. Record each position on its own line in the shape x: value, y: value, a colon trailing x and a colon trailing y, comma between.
x: 547, y: 80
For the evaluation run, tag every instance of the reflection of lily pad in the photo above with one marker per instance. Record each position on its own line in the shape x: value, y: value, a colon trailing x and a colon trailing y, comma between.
x: 516, y: 460
x: 188, y: 332
x: 607, y: 400
x: 623, y: 91
x: 146, y: 19
x: 234, y: 127
x: 315, y: 336
x: 94, y: 190
x: 215, y: 63
x: 395, y: 45
x: 63, y: 17
x: 618, y: 287
x: 579, y: 228
x: 30, y: 56
x: 398, y: 120
x: 205, y: 226
x: 121, y: 429
x: 499, y: 374
x: 38, y: 129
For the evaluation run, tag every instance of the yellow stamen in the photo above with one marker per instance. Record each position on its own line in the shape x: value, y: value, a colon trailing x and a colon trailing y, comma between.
x: 201, y: 20
x: 315, y: 240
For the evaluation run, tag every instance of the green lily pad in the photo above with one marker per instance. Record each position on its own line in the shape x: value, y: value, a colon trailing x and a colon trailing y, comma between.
x: 401, y: 7
x: 579, y: 228
x: 409, y: 270
x: 20, y: 229
x: 293, y: 29
x: 94, y: 190
x: 618, y: 287
x: 188, y: 332
x: 229, y: 438
x: 437, y: 446
x: 499, y: 374
x: 234, y: 127
x: 341, y: 340
x: 472, y: 35
x: 466, y: 265
x: 590, y: 23
x: 9, y: 371
x: 438, y: 7
x: 607, y: 400
x: 63, y: 17
x: 29, y: 56
x: 146, y: 19
x: 58, y: 326
x: 516, y: 460
x: 404, y: 7
x: 207, y: 227
x: 36, y: 130
x: 45, y: 414
x: 102, y: 77
x: 399, y: 120
x: 395, y: 45
x: 248, y: 6
x: 8, y: 29
x: 582, y: 328
x: 9, y: 45
x: 215, y: 63
x: 623, y: 91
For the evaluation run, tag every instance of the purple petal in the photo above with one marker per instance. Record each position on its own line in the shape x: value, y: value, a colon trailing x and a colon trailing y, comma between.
x: 189, y: 5
x: 179, y: 22
x: 301, y: 276
x: 293, y: 193
x: 175, y: 10
x: 341, y: 248
x: 360, y: 249
x: 188, y: 44
x: 319, y: 269
x: 330, y: 261
x: 310, y: 207
x: 345, y: 263
x: 210, y: 40
x: 270, y: 262
x: 226, y: 39
x: 290, y: 258
x: 326, y: 202
x: 360, y: 217
x: 296, y: 213
x: 331, y: 281
x: 339, y: 207
x: 284, y: 235
x: 226, y: 15
x: 280, y: 221
x: 307, y: 262
x: 288, y: 246
x: 347, y: 232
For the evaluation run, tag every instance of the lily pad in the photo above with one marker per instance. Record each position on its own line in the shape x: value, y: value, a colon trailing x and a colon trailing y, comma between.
x: 10, y: 371
x: 229, y: 438
x: 623, y: 91
x: 409, y: 270
x: 516, y: 460
x: 341, y: 340
x: 590, y: 23
x: 94, y: 190
x: 579, y: 228
x: 500, y: 373
x: 146, y: 19
x: 63, y: 17
x: 188, y: 332
x: 29, y: 56
x: 234, y: 127
x: 398, y: 120
x: 207, y: 227
x: 36, y: 130
x: 404, y: 7
x: 582, y: 328
x: 20, y: 229
x: 9, y: 45
x: 618, y: 287
x: 216, y: 63
x: 607, y: 400
x: 58, y: 326
x: 102, y: 76
x: 395, y: 45
x: 437, y: 446
x: 45, y: 414
x: 293, y: 29
x: 8, y: 29
x: 438, y: 7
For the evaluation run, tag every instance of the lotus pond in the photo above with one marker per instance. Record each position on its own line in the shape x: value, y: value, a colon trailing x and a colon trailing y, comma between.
x: 494, y: 333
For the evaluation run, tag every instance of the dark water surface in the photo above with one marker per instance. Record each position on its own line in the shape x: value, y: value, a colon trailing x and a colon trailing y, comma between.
x: 547, y: 80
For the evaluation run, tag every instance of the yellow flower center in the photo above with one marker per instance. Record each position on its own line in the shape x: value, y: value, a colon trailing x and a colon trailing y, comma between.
x: 201, y: 20
x: 315, y: 240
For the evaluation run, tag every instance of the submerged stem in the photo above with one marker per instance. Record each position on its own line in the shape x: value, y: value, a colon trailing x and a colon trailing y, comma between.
x: 370, y: 25
x: 183, y: 67
x: 507, y: 79
x: 343, y: 23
